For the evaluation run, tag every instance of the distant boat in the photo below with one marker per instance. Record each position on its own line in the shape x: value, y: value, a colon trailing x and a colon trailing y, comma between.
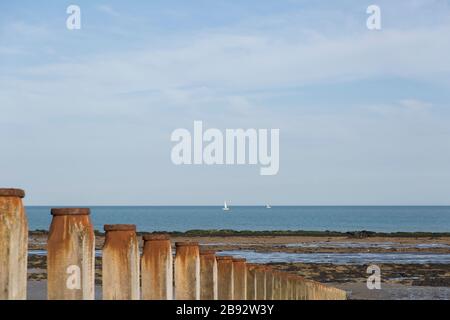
x: 225, y: 207
x: 268, y: 206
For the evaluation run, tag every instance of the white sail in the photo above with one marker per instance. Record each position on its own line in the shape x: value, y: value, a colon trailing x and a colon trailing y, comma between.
x: 225, y: 207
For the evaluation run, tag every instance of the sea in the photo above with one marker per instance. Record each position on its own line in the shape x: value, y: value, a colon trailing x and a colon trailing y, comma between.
x: 259, y: 218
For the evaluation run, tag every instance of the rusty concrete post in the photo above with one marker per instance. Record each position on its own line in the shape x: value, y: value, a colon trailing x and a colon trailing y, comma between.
x: 290, y: 287
x: 284, y: 286
x: 120, y: 263
x: 251, y: 281
x: 157, y: 268
x: 13, y: 245
x: 187, y: 271
x: 310, y: 290
x: 294, y: 280
x: 70, y: 257
x: 260, y: 282
x: 208, y: 275
x: 270, y: 281
x: 239, y: 279
x: 300, y: 288
x: 225, y: 278
x: 276, y: 292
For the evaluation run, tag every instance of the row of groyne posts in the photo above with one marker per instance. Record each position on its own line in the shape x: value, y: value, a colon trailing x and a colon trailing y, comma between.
x: 157, y: 274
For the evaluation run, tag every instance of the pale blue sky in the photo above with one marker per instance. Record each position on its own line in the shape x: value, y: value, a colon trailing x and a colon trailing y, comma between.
x: 86, y: 115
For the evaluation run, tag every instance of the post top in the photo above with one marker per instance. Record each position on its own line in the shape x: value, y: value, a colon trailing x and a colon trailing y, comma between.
x: 239, y: 259
x: 224, y: 258
x: 70, y: 211
x: 186, y: 244
x: 119, y: 227
x: 154, y: 237
x: 207, y: 252
x: 11, y: 192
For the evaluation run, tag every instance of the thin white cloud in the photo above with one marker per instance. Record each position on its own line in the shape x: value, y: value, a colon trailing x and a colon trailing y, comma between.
x: 108, y: 10
x: 415, y: 104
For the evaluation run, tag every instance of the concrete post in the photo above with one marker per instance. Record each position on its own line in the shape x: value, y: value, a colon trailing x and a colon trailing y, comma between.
x: 208, y: 275
x: 260, y: 282
x: 225, y: 287
x: 276, y: 285
x: 239, y: 279
x: 310, y: 290
x: 295, y: 292
x: 251, y: 281
x: 157, y: 268
x: 270, y: 281
x: 284, y: 286
x: 187, y: 271
x: 70, y: 257
x: 300, y: 288
x: 120, y: 263
x: 13, y: 245
x: 292, y: 287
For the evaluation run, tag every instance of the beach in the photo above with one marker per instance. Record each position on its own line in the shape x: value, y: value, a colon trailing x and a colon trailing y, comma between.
x: 412, y: 267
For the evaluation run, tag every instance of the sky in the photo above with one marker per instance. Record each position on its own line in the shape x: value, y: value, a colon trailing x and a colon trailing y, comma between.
x: 87, y: 115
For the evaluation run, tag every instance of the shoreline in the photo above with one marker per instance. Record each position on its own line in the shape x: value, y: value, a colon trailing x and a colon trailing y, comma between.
x: 362, y: 234
x: 414, y: 279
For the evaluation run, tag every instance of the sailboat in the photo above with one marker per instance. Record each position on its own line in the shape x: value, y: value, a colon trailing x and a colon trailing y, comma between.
x: 225, y: 207
x: 268, y: 206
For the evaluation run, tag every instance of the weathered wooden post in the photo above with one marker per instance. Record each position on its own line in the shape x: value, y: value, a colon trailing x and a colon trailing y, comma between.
x: 270, y: 282
x: 225, y: 278
x: 70, y: 257
x: 187, y: 271
x: 276, y: 285
x: 208, y: 275
x: 239, y: 279
x: 120, y: 263
x: 157, y: 267
x: 300, y: 288
x: 251, y: 281
x: 310, y: 290
x: 284, y: 286
x: 260, y: 282
x: 294, y: 280
x: 13, y: 245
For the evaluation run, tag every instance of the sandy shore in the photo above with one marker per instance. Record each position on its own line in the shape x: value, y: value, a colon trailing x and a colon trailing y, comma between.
x: 399, y: 280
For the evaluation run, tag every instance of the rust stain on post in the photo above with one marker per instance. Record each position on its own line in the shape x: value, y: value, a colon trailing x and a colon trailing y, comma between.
x: 157, y: 268
x: 120, y: 263
x: 251, y: 281
x: 13, y: 245
x: 70, y: 257
x: 187, y: 271
x: 225, y: 288
x: 260, y: 282
x: 208, y: 275
x: 239, y: 279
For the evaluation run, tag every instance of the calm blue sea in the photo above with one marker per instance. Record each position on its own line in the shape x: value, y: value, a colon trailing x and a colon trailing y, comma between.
x: 334, y: 218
